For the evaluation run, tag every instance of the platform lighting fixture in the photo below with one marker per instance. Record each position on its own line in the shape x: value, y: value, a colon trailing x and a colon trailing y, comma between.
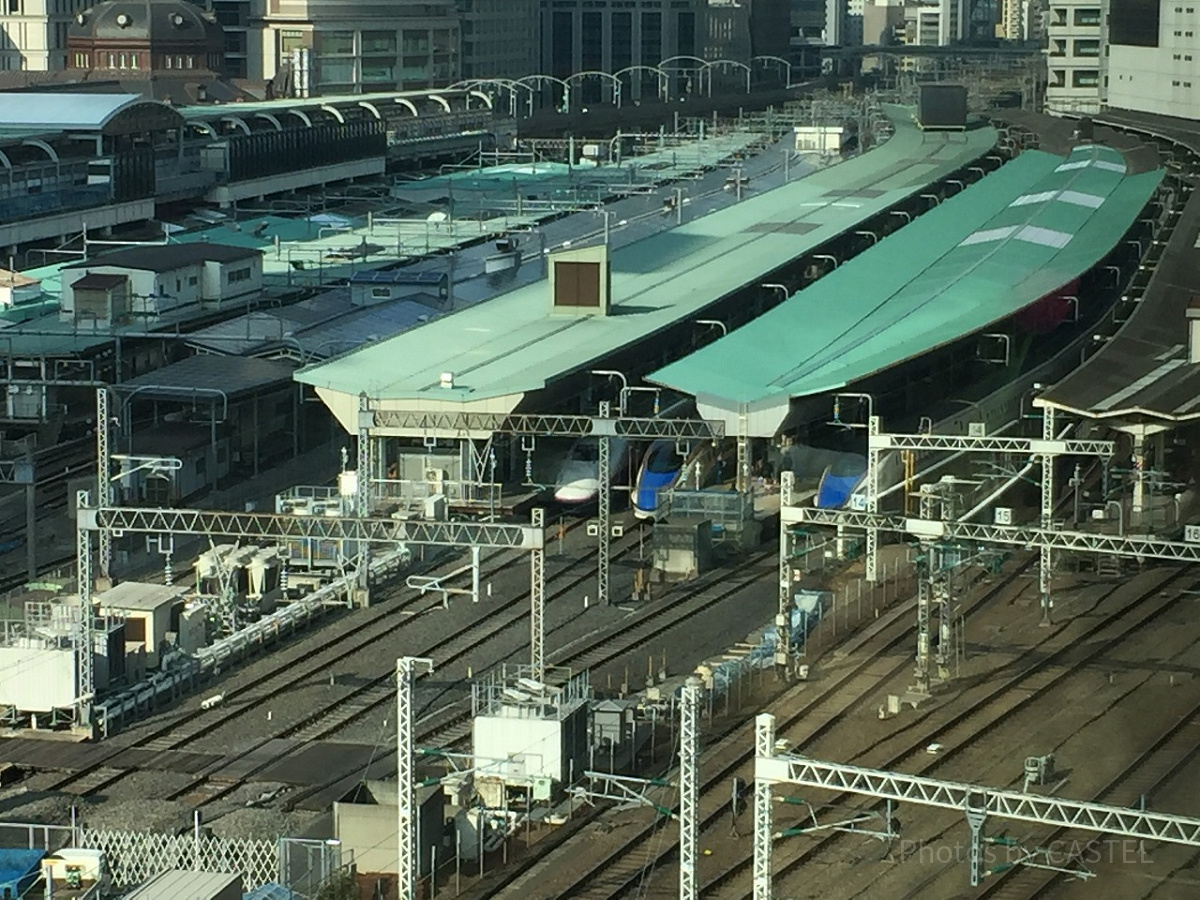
x: 782, y: 288
x: 613, y: 373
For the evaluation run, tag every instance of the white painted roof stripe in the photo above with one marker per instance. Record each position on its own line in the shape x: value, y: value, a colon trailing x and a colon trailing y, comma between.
x: 1097, y: 163
x: 1048, y: 237
x: 1144, y: 382
x: 1092, y: 201
x: 1026, y: 199
x: 990, y: 234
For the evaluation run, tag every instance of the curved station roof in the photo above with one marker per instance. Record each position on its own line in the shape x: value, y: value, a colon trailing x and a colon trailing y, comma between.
x: 502, y: 349
x: 1145, y: 375
x: 1018, y: 234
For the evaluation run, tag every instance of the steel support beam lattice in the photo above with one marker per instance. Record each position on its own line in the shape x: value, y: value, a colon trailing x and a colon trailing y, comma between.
x: 689, y: 787
x: 408, y: 844
x: 1020, y: 446
x: 83, y: 636
x: 103, y: 477
x: 333, y: 528
x: 1144, y: 547
x: 603, y: 502
x: 362, y: 505
x: 537, y: 598
x: 400, y: 423
x: 994, y: 803
x: 764, y: 742
x: 873, y: 473
x: 975, y: 802
x: 783, y: 619
x: 1046, y: 516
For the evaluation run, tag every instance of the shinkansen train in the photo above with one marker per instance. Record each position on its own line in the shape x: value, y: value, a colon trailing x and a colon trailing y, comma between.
x: 578, y: 479
x: 712, y: 465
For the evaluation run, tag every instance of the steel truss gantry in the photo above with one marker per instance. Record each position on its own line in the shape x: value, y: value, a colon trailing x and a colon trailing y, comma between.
x: 977, y: 803
x: 1026, y: 536
x: 407, y: 668
x: 689, y: 786
x: 271, y: 527
x: 471, y: 426
x: 103, y: 475
x: 480, y: 426
x: 1044, y: 536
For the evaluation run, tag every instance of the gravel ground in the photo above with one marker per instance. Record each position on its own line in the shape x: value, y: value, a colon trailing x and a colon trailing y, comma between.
x: 1081, y: 727
x: 23, y: 804
x: 685, y: 646
x: 261, y: 824
x: 413, y: 637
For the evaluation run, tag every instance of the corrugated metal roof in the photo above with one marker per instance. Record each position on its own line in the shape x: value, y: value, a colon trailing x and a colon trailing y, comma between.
x: 179, y: 885
x: 231, y: 374
x: 979, y: 257
x: 513, y: 345
x: 376, y: 323
x: 137, y: 595
x: 65, y: 112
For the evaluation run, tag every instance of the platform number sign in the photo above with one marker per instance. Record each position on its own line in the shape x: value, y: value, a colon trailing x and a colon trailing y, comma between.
x: 1191, y: 534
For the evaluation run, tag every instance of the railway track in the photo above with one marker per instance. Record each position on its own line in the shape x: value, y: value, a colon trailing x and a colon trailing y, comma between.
x: 455, y: 648
x: 1154, y: 767
x: 290, y: 669
x: 821, y: 706
x: 1038, y: 672
x: 450, y: 726
x: 1167, y: 754
x: 622, y: 871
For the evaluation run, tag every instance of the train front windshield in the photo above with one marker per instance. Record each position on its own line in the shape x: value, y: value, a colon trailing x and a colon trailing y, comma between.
x: 663, y: 459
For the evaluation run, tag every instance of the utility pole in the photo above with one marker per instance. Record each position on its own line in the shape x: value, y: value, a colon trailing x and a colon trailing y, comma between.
x: 689, y: 751
x: 406, y: 819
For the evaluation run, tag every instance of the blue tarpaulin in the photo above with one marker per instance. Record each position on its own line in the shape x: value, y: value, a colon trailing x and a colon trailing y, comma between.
x: 19, y: 869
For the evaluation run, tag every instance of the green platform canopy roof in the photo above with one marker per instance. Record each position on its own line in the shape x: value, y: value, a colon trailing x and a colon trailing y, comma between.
x: 504, y: 348
x: 1020, y: 233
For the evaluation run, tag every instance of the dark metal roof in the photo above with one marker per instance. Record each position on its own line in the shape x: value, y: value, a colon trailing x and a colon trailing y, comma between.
x: 98, y: 282
x: 168, y: 257
x: 201, y: 375
x: 1143, y: 372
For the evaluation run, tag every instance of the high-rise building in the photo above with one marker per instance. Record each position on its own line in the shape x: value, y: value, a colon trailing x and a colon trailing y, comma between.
x: 500, y: 38
x: 612, y: 35
x: 1154, y: 56
x: 357, y: 46
x: 33, y: 33
x: 935, y: 23
x: 1075, y: 37
x: 883, y: 22
x: 1022, y: 21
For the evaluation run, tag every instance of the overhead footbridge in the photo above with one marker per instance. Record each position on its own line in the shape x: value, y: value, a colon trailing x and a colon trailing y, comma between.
x: 516, y: 353
x: 1014, y: 237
